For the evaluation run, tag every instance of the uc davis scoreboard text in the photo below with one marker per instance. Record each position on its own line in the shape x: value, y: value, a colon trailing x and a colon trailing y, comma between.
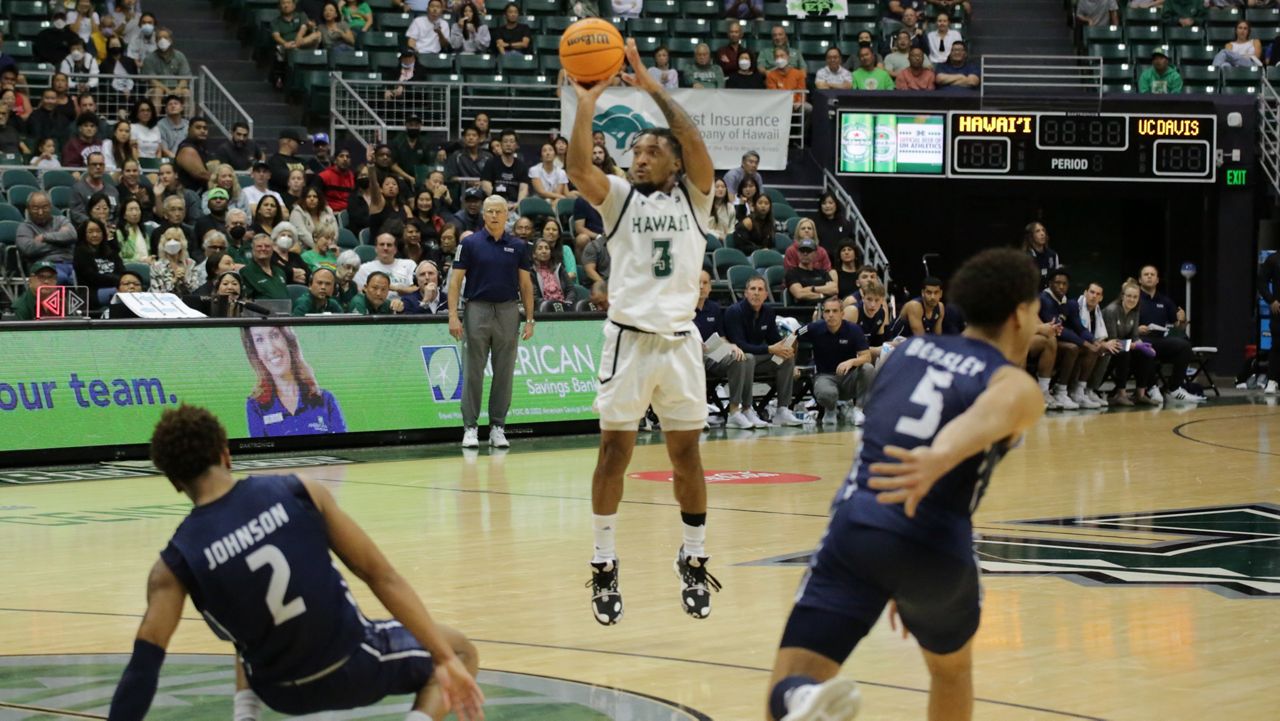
x: 1144, y: 147
x: 1099, y: 147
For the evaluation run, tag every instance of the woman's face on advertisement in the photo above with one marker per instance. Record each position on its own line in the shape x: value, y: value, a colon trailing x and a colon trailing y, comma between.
x: 272, y: 350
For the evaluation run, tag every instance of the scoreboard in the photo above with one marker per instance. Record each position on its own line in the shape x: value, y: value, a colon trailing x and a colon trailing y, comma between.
x: 1102, y: 147
x: 984, y: 145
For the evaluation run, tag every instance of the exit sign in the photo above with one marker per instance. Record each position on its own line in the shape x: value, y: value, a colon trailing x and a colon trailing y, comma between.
x: 1237, y: 176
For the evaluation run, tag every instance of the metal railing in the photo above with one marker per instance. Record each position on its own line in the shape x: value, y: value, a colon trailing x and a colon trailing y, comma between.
x: 115, y: 94
x: 370, y: 109
x: 1269, y: 132
x: 218, y: 105
x: 868, y: 246
x: 1032, y: 80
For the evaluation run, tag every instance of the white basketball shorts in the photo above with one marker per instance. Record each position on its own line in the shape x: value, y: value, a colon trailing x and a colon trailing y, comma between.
x: 639, y: 369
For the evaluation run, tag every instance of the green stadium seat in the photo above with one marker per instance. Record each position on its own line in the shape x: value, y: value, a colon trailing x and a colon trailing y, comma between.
x: 1119, y: 88
x: 19, y: 49
x: 1224, y: 16
x: 661, y: 8
x: 57, y: 179
x: 380, y: 40
x: 1117, y: 73
x: 476, y: 64
x: 1144, y: 34
x: 542, y: 7
x: 1197, y: 55
x: 1273, y: 73
x: 546, y: 44
x: 1220, y: 36
x: 1241, y: 77
x: 384, y: 59
x: 557, y: 23
x: 1200, y: 78
x: 864, y: 11
x: 819, y: 29
x: 361, y: 76
x: 346, y: 239
x: 646, y: 44
x: 29, y: 28
x: 494, y: 7
x: 29, y: 10
x: 393, y: 22
x: 1263, y: 18
x: 1141, y: 52
x: 366, y: 253
x: 316, y: 87
x: 534, y: 206
x: 647, y: 26
x: 1240, y: 90
x: 518, y: 66
x: 8, y: 212
x: 358, y: 60
x: 4, y: 27
x: 775, y: 11
x: 683, y: 48
x: 534, y: 22
x: 17, y: 195
x: 1098, y: 34
x: 550, y: 64
x: 143, y: 270
x: 1141, y: 16
x: 1179, y: 36
x: 813, y: 49
x: 1111, y: 53
x: 437, y: 62
x: 18, y: 176
x: 850, y: 30
x: 691, y: 27
x: 308, y: 59
x: 700, y: 8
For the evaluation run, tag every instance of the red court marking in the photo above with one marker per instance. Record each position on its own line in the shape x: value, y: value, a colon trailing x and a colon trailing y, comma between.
x: 734, y: 477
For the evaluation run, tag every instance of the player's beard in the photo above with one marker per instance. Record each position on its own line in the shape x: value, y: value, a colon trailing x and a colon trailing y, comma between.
x: 645, y: 189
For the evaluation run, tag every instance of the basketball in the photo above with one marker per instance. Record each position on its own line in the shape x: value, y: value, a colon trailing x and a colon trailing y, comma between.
x: 591, y: 50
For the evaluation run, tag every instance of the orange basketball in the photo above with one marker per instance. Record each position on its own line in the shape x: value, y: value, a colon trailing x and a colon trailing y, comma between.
x: 591, y: 50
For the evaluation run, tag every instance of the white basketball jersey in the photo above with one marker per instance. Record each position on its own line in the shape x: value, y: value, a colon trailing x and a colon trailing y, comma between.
x: 656, y: 246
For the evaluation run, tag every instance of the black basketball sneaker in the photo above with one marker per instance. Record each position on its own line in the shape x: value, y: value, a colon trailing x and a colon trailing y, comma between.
x: 606, y: 600
x: 696, y: 584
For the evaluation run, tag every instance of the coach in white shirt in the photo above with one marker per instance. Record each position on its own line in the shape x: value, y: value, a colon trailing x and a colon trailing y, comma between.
x: 399, y: 270
x: 940, y: 41
x: 429, y: 33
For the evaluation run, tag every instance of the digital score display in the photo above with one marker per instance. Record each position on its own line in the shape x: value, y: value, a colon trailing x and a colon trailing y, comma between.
x: 1098, y: 147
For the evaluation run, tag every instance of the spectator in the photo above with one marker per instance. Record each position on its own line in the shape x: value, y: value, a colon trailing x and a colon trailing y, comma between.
x: 358, y: 15
x: 97, y: 262
x: 169, y: 63
x: 869, y: 76
x: 144, y: 130
x: 1078, y: 353
x: 1091, y: 318
x: 1243, y: 52
x: 448, y: 249
x: 412, y: 244
x: 130, y: 238
x: 77, y: 149
x: 743, y: 9
x: 319, y: 295
x: 267, y: 214
x: 506, y: 175
x: 168, y: 184
x: 940, y: 40
x: 42, y: 274
x: 336, y: 35
x: 468, y: 162
x: 842, y: 360
x: 958, y: 71
x: 547, y: 181
x: 239, y: 236
x: 217, y: 201
x: 512, y: 36
x: 429, y: 33
x: 143, y: 42
x: 10, y: 135
x: 48, y: 121
x: 285, y: 160
x: 1097, y: 12
x: 748, y: 191
x: 101, y: 209
x: 384, y: 163
x: 787, y: 77
x: 173, y: 210
x: 747, y: 77
x: 239, y: 151
x: 375, y: 299
x: 66, y: 103
x: 752, y: 326
x: 949, y: 5
x: 1122, y: 322
x: 550, y: 279
x: 48, y: 237
x: 7, y: 61
x: 293, y: 191
x: 428, y: 300
x: 261, y: 174
x: 287, y: 33
x: 834, y: 75
x: 900, y: 59
x: 469, y: 35
x: 80, y: 67
x: 727, y: 56
x: 120, y: 147
x: 408, y: 149
x: 399, y: 271
x: 1269, y: 292
x: 365, y: 200
x: 262, y: 277
x: 496, y: 268
x: 192, y: 157
x: 53, y: 43
x: 224, y: 179
x: 587, y: 223
x: 173, y: 127
x: 723, y: 218
x: 216, y: 262
x: 912, y: 26
x: 339, y: 181
x: 552, y: 233
x: 92, y: 182
x: 897, y: 9
x: 1162, y: 325
x: 1185, y: 13
x: 805, y: 282
x: 830, y: 223
x: 595, y: 260
x: 171, y: 272
x: 923, y: 314
x: 345, y: 290
x: 310, y: 214
x: 131, y: 184
x: 1160, y: 78
x: 767, y: 59
x: 806, y: 230
x: 847, y: 271
x: 755, y: 231
x: 749, y: 168
x: 391, y: 207
x: 12, y: 95
x: 83, y: 20
x: 916, y: 76
x: 285, y: 253
x: 324, y: 254
x: 703, y: 73
x: 662, y: 71
x: 598, y: 297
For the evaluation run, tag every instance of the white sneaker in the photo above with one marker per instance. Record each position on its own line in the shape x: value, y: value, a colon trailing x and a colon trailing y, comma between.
x: 1084, y: 401
x: 470, y: 438
x: 1093, y: 396
x: 836, y: 700
x: 1271, y: 388
x: 1186, y: 396
x: 856, y: 416
x: 756, y: 420
x: 739, y: 420
x: 830, y: 418
x: 1155, y: 395
x: 1050, y: 401
x: 784, y: 417
x: 498, y: 437
x: 1064, y: 401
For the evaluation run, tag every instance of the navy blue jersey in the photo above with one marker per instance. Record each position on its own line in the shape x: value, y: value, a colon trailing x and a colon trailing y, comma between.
x: 922, y: 386
x: 902, y: 326
x: 873, y: 326
x: 256, y: 563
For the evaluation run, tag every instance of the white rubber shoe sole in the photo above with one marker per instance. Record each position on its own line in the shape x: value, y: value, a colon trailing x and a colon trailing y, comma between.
x: 836, y: 700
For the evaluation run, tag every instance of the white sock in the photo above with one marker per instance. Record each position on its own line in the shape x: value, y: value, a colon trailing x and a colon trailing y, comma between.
x: 1044, y: 384
x: 416, y: 716
x: 1078, y: 387
x: 695, y: 540
x: 246, y: 706
x: 604, y: 544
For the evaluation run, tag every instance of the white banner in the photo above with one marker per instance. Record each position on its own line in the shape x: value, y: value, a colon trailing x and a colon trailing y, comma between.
x: 732, y: 121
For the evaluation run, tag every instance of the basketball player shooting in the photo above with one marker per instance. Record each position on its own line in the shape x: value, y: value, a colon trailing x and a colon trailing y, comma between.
x: 941, y: 414
x: 652, y: 350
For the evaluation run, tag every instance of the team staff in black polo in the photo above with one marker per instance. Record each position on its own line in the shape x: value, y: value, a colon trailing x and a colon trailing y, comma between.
x: 496, y: 266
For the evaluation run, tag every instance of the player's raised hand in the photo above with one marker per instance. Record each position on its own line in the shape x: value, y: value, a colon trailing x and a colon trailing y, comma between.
x: 639, y: 75
x: 460, y: 692
x: 909, y: 479
x: 592, y: 93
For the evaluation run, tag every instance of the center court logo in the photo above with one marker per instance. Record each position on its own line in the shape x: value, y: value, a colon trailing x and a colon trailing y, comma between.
x: 620, y: 123
x: 443, y: 364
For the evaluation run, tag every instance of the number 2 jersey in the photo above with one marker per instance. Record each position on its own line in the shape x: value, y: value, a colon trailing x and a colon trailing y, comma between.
x: 923, y: 385
x: 656, y: 247
x: 256, y: 564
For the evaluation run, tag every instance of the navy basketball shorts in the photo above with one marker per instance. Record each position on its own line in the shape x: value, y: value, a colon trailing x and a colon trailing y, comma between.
x: 858, y: 569
x: 388, y: 662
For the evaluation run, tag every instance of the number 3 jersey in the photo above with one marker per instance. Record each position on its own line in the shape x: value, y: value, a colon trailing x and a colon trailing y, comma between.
x: 656, y: 247
x: 256, y: 563
x: 923, y: 386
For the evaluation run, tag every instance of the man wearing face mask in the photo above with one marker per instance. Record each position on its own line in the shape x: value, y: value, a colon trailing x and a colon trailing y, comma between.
x: 786, y: 76
x: 167, y: 60
x: 409, y: 150
x: 339, y: 181
x: 81, y: 67
x: 239, y: 151
x: 143, y: 42
x: 53, y: 43
x: 239, y: 242
x: 120, y: 67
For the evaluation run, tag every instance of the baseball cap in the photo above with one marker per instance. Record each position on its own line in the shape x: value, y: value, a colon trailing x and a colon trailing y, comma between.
x: 807, y: 244
x: 261, y: 165
x: 218, y: 193
x: 290, y: 134
x: 40, y: 265
x: 413, y: 118
x: 1158, y: 52
x: 320, y: 139
x: 473, y: 193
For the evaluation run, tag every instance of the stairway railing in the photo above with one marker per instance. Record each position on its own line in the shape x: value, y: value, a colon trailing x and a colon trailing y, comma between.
x: 1269, y: 132
x: 868, y: 246
x: 218, y: 105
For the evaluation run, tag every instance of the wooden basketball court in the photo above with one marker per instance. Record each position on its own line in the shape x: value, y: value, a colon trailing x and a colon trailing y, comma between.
x: 1147, y: 587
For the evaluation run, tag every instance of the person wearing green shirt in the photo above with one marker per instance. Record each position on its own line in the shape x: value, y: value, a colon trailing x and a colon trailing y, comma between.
x: 262, y: 278
x: 319, y: 298
x: 325, y: 252
x: 409, y: 149
x: 374, y: 299
x: 1159, y: 78
x: 869, y: 76
x: 358, y: 14
x: 779, y: 36
x: 1183, y: 12
x: 43, y: 273
x: 703, y: 73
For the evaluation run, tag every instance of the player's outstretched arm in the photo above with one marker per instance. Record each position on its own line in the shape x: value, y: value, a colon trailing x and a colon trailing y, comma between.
x: 1011, y: 404
x: 360, y: 554
x: 590, y: 181
x: 698, y: 166
x: 137, y: 688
